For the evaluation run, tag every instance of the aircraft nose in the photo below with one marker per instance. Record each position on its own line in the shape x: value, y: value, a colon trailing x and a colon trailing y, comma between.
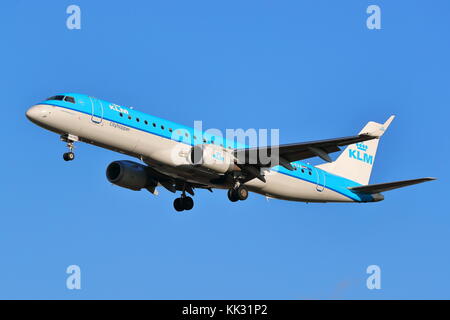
x: 32, y: 113
x: 37, y: 112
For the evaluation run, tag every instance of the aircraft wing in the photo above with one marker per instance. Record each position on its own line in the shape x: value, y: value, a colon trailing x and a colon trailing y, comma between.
x: 297, y: 151
x: 381, y: 187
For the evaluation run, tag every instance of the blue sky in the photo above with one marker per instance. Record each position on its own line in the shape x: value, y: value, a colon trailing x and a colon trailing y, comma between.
x: 310, y: 68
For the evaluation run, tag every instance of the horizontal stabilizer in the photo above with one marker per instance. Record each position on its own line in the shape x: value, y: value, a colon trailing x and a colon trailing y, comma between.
x: 381, y: 187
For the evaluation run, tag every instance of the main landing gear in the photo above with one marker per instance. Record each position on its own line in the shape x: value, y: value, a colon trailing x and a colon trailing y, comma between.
x: 238, y: 193
x: 183, y: 203
x: 69, y: 156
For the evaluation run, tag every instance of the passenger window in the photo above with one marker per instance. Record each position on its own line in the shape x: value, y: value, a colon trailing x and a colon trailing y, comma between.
x: 187, y: 135
x: 154, y: 124
x: 137, y: 119
x: 162, y: 127
x: 129, y: 117
x: 146, y: 122
x: 170, y: 129
x: 121, y: 114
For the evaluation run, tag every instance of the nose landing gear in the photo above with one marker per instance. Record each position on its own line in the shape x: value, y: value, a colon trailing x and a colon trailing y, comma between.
x: 68, y: 156
x: 69, y: 139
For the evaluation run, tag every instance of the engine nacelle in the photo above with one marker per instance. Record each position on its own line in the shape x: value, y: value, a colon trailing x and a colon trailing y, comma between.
x: 213, y: 157
x: 127, y: 174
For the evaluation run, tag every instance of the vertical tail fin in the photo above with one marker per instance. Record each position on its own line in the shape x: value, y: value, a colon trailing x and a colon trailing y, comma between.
x: 356, y: 162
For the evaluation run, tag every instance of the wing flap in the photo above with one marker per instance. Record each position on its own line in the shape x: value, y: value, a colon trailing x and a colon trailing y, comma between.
x: 381, y: 187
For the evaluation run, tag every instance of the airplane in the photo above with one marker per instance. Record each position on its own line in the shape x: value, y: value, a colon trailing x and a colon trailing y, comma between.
x: 205, y: 161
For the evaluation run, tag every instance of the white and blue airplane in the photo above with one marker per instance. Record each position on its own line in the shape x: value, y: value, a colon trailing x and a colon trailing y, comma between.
x: 204, y: 161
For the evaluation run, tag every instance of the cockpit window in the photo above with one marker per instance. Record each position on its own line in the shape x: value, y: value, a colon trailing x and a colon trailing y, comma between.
x: 60, y: 98
x: 69, y: 99
x: 63, y: 98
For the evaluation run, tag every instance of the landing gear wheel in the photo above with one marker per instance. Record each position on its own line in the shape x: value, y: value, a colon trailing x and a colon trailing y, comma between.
x: 178, y: 204
x: 188, y: 203
x: 241, y: 192
x: 68, y: 156
x: 232, y: 196
x: 183, y: 203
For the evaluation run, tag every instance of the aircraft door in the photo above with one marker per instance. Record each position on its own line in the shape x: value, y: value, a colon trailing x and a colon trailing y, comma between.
x: 97, y: 110
x: 320, y: 174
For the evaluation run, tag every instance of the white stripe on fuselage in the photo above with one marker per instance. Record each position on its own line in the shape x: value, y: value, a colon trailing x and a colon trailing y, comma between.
x: 170, y: 157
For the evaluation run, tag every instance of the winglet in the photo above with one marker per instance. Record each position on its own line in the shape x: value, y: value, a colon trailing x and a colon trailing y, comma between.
x: 381, y: 129
x: 388, y: 122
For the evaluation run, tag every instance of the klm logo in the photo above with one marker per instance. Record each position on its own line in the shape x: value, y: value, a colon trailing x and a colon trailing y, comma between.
x: 360, y: 153
x: 117, y: 108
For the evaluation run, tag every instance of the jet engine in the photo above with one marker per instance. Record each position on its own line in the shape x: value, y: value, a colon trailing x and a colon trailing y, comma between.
x: 213, y: 157
x: 127, y: 174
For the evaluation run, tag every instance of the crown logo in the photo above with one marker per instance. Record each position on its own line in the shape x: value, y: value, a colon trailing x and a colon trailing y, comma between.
x: 362, y: 146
